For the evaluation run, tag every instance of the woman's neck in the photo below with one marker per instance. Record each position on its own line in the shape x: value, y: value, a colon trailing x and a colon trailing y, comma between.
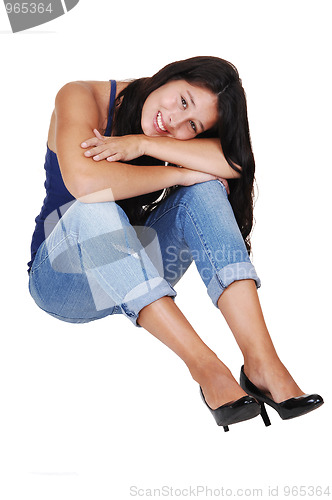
x: 101, y: 91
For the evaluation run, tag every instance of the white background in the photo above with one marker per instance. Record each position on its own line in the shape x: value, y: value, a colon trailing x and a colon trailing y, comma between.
x: 87, y: 411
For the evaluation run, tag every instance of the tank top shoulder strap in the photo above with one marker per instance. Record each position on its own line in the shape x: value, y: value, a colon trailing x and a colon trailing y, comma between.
x: 108, y: 130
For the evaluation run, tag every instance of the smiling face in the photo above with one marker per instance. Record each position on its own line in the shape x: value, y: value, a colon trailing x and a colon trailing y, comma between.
x: 179, y: 110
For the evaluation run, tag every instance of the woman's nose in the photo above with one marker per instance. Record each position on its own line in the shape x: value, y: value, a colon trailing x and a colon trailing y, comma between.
x: 175, y: 120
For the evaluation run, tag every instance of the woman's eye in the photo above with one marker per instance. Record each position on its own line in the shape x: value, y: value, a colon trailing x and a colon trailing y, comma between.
x: 193, y: 126
x: 191, y: 123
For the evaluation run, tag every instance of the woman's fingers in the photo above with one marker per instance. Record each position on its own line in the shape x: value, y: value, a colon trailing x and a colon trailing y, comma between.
x: 104, y: 155
x: 122, y: 148
x: 94, y: 141
x: 97, y: 150
x: 98, y: 154
x: 97, y: 134
x: 91, y: 142
x: 103, y: 152
x: 115, y: 157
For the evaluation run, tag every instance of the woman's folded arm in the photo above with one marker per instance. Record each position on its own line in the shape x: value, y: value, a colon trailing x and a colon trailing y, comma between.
x: 77, y: 114
x: 205, y: 155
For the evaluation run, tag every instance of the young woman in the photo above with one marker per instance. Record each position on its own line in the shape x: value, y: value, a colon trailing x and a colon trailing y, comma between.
x: 121, y: 223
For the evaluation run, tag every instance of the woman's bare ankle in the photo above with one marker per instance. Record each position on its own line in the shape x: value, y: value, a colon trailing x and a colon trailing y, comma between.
x: 202, y: 366
x: 272, y: 377
x: 217, y: 382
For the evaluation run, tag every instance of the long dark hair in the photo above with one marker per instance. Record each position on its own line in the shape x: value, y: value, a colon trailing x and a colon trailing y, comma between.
x: 222, y: 78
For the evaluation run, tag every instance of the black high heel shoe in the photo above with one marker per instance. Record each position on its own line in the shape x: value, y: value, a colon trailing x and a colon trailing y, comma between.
x: 235, y: 411
x: 290, y: 408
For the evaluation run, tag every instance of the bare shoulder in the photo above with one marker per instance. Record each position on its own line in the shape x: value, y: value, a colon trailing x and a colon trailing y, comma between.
x: 82, y: 102
x: 78, y: 102
x: 72, y: 96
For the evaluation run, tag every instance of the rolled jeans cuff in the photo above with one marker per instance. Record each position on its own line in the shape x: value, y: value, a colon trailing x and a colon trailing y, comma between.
x: 227, y: 275
x: 143, y: 295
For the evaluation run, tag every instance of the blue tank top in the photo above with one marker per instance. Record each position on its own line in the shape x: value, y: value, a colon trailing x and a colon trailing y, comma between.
x: 57, y: 195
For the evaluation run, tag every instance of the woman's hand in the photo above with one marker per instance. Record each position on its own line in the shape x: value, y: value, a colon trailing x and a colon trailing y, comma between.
x: 123, y: 148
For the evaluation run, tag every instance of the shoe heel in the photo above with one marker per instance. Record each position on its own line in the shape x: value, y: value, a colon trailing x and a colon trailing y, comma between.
x: 226, y: 429
x: 264, y: 415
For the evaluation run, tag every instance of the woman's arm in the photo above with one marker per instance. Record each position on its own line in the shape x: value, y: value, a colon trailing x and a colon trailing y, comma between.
x: 76, y: 113
x: 204, y: 155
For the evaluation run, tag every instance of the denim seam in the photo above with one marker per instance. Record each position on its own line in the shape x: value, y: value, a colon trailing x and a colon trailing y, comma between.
x: 129, y: 312
x: 132, y: 314
x: 33, y: 269
x: 89, y: 261
x: 51, y: 313
x: 35, y: 286
x: 247, y: 264
x: 86, y: 320
x: 225, y: 283
x: 162, y: 215
x: 201, y: 236
x: 199, y: 233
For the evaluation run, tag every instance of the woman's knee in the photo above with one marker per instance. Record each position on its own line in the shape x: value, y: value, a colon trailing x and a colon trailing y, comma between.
x: 93, y: 219
x: 99, y: 212
x: 207, y: 192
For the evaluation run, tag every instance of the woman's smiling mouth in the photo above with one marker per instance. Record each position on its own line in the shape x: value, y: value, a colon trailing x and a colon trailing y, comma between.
x: 159, y: 123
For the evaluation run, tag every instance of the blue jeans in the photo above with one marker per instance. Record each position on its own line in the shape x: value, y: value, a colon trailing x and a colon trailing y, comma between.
x: 94, y: 263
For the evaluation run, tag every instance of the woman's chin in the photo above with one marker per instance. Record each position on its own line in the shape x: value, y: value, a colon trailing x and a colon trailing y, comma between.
x: 151, y: 133
x: 148, y: 131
